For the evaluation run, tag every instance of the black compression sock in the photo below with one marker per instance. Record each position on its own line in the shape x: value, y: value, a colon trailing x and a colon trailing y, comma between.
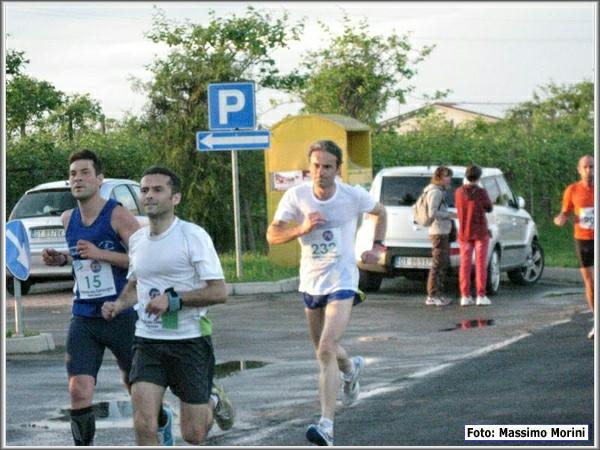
x: 162, y: 417
x: 83, y: 425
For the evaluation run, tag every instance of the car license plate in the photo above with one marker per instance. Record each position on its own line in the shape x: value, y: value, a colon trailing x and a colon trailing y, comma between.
x: 412, y: 262
x: 47, y: 233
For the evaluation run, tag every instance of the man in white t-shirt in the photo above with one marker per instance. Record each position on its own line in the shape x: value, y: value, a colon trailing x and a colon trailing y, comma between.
x: 325, y: 212
x: 174, y: 275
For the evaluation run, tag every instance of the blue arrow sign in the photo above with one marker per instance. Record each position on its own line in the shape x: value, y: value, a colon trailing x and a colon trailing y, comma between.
x: 231, y: 106
x: 18, y: 256
x: 207, y: 141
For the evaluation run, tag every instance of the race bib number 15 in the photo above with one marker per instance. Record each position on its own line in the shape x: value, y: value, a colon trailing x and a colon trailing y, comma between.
x: 94, y: 278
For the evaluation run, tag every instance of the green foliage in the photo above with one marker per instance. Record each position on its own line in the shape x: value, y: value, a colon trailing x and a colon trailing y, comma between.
x: 537, y: 146
x: 32, y: 160
x: 357, y: 74
x: 28, y: 101
x: 77, y: 114
x: 15, y: 60
x: 226, y: 50
x: 41, y: 157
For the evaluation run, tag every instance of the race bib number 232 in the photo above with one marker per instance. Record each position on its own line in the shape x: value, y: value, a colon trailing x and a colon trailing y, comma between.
x: 324, y: 243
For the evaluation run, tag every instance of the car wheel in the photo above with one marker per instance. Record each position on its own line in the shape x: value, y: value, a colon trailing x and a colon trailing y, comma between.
x: 493, y: 273
x: 531, y: 272
x: 25, y: 286
x: 369, y: 281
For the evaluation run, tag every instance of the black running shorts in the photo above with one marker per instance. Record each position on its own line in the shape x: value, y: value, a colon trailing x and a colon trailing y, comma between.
x: 585, y: 252
x: 88, y: 337
x: 186, y: 366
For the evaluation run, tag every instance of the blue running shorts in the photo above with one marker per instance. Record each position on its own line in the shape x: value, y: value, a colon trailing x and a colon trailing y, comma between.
x: 320, y: 301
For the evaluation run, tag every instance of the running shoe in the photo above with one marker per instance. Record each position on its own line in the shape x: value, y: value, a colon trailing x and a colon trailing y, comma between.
x: 318, y: 435
x: 224, y: 412
x: 591, y: 334
x: 483, y: 301
x: 165, y: 434
x: 467, y: 301
x: 352, y: 385
x: 437, y: 301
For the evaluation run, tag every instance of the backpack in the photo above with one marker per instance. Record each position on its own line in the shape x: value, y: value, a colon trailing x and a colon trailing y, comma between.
x: 421, y: 211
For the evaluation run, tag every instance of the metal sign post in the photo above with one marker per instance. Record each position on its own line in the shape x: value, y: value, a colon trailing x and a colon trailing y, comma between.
x: 19, y: 329
x: 232, y: 123
x: 236, y: 214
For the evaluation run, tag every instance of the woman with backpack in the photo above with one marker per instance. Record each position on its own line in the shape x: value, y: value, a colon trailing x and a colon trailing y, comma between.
x: 472, y: 202
x: 439, y: 233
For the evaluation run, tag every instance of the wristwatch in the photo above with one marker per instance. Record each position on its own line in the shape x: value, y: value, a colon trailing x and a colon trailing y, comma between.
x: 380, y: 243
x: 174, y: 300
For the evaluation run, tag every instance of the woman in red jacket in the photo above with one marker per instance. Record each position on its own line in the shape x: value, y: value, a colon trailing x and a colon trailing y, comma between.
x: 472, y: 202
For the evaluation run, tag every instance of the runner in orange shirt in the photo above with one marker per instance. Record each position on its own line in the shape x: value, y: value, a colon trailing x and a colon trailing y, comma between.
x: 579, y: 200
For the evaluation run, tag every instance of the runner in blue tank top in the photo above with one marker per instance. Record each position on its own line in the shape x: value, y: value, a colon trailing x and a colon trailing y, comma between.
x: 96, y: 281
x: 97, y: 232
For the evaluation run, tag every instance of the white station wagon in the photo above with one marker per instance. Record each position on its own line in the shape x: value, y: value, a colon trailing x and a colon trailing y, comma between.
x: 514, y: 244
x: 40, y: 209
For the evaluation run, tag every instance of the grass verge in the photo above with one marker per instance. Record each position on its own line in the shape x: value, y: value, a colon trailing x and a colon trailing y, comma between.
x: 558, y: 245
x: 27, y: 333
x: 255, y: 267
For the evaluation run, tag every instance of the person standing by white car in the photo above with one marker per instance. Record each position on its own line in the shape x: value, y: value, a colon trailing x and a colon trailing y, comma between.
x: 439, y: 232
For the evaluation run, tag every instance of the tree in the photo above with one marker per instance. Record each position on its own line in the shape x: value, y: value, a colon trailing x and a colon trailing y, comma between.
x: 15, y: 60
x: 225, y: 50
x: 356, y: 73
x: 27, y: 101
x: 76, y: 114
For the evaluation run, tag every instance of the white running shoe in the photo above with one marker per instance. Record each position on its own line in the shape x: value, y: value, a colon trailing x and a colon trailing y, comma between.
x: 467, y: 301
x: 437, y: 301
x: 483, y: 301
x: 591, y: 334
x: 352, y: 385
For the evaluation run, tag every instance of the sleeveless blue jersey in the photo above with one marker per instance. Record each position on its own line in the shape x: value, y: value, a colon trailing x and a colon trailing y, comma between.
x: 103, y: 236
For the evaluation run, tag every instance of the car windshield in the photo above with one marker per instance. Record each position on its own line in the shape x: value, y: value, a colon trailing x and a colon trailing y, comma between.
x: 404, y: 191
x: 44, y: 203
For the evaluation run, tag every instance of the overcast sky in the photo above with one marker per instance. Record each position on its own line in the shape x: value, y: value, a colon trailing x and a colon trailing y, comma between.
x: 490, y: 55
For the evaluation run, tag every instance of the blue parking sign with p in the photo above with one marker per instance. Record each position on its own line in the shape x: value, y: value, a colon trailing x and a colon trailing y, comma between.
x: 231, y: 106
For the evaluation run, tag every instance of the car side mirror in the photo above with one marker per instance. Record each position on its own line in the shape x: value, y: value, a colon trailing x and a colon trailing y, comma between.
x: 520, y: 202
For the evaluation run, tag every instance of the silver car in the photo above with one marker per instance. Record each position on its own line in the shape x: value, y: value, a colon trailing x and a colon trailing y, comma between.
x: 514, y: 245
x: 40, y: 209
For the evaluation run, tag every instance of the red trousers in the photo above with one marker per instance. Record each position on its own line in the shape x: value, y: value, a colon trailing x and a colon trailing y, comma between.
x: 466, y: 258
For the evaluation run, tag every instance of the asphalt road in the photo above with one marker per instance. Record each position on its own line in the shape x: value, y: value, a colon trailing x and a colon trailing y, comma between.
x: 430, y: 371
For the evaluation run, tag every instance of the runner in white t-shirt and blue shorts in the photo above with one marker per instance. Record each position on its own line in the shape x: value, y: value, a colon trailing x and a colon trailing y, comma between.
x: 325, y: 212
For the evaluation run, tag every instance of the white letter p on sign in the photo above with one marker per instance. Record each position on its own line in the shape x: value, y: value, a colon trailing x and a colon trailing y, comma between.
x: 225, y: 108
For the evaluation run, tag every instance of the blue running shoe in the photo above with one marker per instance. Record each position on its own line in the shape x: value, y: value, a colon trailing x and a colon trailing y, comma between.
x: 165, y: 434
x: 318, y: 436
